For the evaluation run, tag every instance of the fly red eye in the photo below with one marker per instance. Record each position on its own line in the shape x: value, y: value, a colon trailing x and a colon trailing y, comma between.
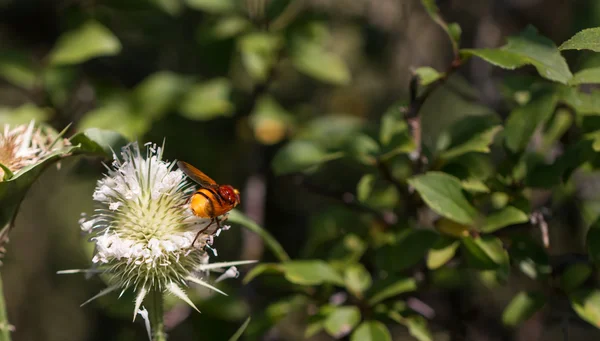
x: 227, y: 193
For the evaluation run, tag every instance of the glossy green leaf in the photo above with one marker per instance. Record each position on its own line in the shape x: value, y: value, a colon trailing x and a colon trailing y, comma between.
x: 90, y: 40
x: 522, y: 307
x: 341, y: 321
x: 484, y: 253
x: 238, y: 334
x: 208, y: 100
x: 471, y: 134
x: 299, y: 156
x: 442, y: 252
x: 357, y: 279
x: 237, y: 217
x: 588, y: 39
x: 212, y: 6
x: 586, y: 303
x: 310, y: 272
x: 574, y: 276
x: 527, y: 48
x: 586, y: 76
x: 443, y: 194
x: 524, y: 120
x: 371, y: 331
x: 507, y: 216
x: 391, y: 287
x: 259, y: 53
x: 428, y: 75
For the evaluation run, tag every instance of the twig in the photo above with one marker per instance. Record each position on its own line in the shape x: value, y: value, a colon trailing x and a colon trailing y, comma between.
x: 537, y: 218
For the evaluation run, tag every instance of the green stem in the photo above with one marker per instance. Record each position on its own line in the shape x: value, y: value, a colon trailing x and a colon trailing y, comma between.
x: 156, y: 312
x: 4, y: 325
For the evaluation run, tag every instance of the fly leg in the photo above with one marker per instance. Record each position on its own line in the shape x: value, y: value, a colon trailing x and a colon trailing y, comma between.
x: 204, y: 229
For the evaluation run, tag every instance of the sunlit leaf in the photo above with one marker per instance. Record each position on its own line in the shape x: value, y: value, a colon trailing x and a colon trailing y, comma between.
x: 441, y: 252
x: 158, y: 93
x: 472, y: 134
x: 428, y: 75
x: 588, y: 39
x: 17, y: 69
x: 586, y: 303
x: 527, y: 48
x: 443, y: 194
x: 391, y: 287
x: 213, y: 6
x: 371, y: 331
x: 207, y: 100
x: 453, y: 30
x: 522, y: 307
x: 505, y: 217
x: 90, y: 40
x: 586, y: 76
x: 485, y: 252
x: 259, y: 53
x: 357, y: 279
x: 341, y: 321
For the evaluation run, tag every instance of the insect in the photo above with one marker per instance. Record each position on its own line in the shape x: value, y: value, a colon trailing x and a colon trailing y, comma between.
x: 211, y: 200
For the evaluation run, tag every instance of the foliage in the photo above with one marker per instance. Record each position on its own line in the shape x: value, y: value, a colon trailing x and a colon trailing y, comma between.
x: 392, y: 207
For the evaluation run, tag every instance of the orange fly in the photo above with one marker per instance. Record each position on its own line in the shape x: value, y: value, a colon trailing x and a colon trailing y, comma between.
x: 211, y: 200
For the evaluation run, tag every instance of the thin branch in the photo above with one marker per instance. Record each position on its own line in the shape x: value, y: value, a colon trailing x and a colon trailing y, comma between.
x: 537, y: 219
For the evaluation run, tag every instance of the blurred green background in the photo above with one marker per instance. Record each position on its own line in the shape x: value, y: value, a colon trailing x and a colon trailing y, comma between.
x: 226, y: 83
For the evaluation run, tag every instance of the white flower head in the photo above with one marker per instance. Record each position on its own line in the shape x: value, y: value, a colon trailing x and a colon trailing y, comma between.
x: 144, y: 229
x: 24, y: 145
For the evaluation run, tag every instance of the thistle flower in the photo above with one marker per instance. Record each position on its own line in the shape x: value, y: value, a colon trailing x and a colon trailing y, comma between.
x: 25, y: 145
x: 143, y: 229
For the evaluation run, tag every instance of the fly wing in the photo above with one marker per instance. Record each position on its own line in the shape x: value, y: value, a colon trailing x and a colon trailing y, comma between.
x: 196, y: 175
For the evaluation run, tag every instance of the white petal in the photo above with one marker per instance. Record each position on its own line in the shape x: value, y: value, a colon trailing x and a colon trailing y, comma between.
x: 144, y: 314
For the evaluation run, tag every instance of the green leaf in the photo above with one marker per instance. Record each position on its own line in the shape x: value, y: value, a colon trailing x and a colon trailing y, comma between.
x: 310, y: 272
x: 371, y: 331
x: 99, y: 141
x: 443, y: 194
x: 364, y: 188
x: 363, y: 148
x: 299, y: 156
x: 90, y: 40
x: 331, y: 131
x: 309, y: 56
x: 475, y: 186
x: 394, y: 134
x: 472, y: 134
x: 484, y: 253
x: 212, y: 6
x: 588, y: 39
x: 270, y: 121
x: 208, y: 100
x: 523, y: 121
x: 259, y: 53
x: 23, y: 114
x: 452, y: 30
x: 341, y: 321
x: 391, y: 287
x: 442, y: 252
x: 172, y: 7
x: 507, y: 216
x: 417, y: 327
x: 586, y: 303
x: 357, y: 279
x: 522, y: 307
x: 240, y: 331
x: 527, y: 48
x: 574, y: 276
x: 158, y: 93
x: 586, y: 76
x: 583, y: 103
x: 237, y: 217
x: 428, y: 75
x: 116, y: 114
x: 260, y: 269
x: 223, y: 28
x: 18, y: 69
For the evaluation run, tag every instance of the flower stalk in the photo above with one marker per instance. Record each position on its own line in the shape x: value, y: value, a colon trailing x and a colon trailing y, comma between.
x: 156, y: 312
